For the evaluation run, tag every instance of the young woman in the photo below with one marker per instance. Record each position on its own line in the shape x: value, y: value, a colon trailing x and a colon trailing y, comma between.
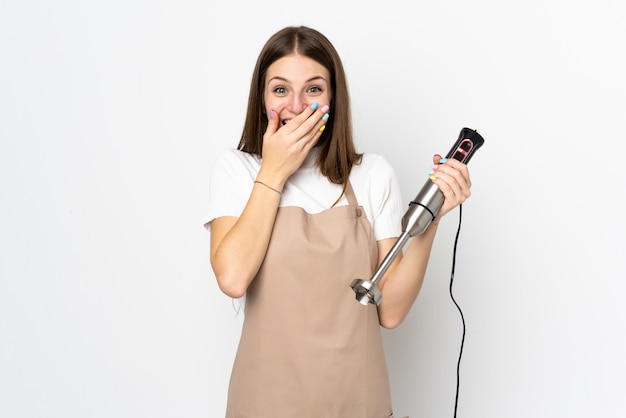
x: 295, y: 215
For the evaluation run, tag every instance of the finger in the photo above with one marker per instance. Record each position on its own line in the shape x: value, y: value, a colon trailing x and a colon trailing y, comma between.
x: 451, y: 178
x: 315, y: 117
x: 272, y: 123
x: 454, y: 168
x: 446, y: 184
x: 315, y: 137
x: 464, y: 176
x: 320, y: 120
x: 301, y: 123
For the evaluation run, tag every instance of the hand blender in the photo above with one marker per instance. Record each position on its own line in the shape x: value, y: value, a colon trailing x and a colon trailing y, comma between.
x: 422, y: 211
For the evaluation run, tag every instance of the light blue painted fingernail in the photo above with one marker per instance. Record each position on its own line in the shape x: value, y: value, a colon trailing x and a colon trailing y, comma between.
x: 314, y: 105
x: 431, y: 171
x: 443, y: 160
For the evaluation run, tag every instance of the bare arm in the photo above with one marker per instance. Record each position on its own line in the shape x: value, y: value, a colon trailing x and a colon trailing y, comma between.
x: 238, y: 245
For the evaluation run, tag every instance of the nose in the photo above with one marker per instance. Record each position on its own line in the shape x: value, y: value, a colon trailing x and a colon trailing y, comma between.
x: 297, y: 103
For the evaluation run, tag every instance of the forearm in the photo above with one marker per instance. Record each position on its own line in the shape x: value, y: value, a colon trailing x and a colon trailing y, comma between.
x: 402, y: 284
x: 238, y: 246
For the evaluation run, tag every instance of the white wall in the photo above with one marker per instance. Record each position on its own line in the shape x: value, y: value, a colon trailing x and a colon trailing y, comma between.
x: 111, y: 114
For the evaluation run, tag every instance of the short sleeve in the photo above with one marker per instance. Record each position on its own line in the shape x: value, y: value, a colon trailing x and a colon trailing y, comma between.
x: 230, y: 184
x: 383, y: 196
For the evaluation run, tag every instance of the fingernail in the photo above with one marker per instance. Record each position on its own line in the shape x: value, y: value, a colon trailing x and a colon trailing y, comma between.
x: 431, y: 171
x: 314, y: 105
x: 443, y: 160
x: 432, y: 177
x: 271, y: 114
x: 325, y: 117
x: 434, y: 167
x: 322, y: 128
x: 324, y: 108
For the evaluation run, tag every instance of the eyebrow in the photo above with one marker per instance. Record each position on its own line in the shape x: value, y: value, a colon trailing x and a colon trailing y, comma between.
x: 314, y: 78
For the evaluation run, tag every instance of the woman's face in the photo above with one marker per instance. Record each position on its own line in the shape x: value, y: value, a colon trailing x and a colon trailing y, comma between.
x: 294, y: 82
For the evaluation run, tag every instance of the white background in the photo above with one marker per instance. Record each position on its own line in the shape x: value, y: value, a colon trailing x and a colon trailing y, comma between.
x: 111, y: 114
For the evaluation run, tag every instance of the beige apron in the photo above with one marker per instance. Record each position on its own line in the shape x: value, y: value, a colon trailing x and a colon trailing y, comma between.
x: 308, y: 349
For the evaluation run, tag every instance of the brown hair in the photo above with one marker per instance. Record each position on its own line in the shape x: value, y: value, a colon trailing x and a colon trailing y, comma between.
x: 337, y: 151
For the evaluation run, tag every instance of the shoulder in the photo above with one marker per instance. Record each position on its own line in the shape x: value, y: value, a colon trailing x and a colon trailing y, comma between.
x: 234, y: 170
x: 233, y: 162
x: 232, y: 156
x: 371, y: 160
x: 374, y: 178
x: 373, y: 168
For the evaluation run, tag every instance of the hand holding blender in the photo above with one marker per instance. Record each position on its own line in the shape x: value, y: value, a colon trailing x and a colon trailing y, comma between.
x: 422, y: 211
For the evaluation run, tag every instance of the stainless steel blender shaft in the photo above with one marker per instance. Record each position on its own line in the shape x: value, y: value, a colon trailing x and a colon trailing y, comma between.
x: 422, y: 210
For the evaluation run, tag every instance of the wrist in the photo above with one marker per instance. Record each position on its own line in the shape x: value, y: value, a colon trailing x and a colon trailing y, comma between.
x: 273, y: 180
x: 267, y: 186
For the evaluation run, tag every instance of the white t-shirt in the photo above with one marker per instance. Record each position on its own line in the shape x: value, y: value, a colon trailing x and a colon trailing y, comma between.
x: 373, y: 180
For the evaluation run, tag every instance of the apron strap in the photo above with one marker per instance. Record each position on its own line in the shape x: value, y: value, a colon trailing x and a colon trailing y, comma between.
x: 350, y: 195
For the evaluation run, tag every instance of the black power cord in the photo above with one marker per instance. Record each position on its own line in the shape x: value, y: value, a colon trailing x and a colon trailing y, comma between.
x: 458, y: 365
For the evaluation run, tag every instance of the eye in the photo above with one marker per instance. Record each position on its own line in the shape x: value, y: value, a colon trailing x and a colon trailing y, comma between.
x: 279, y: 90
x: 315, y: 89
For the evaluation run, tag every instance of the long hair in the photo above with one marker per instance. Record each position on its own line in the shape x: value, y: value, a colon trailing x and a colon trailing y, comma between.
x: 337, y: 151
